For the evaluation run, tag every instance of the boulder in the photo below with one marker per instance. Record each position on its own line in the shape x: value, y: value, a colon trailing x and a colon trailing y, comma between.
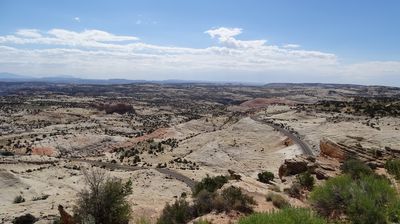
x: 332, y: 149
x: 320, y: 174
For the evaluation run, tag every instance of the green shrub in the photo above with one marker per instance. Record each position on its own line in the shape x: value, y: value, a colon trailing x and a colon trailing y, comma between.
x: 393, y: 167
x: 277, y: 200
x: 265, y: 177
x: 229, y: 199
x: 210, y: 184
x: 286, y: 216
x: 178, y: 213
x: 306, y: 180
x: 356, y: 168
x: 364, y: 200
x: 19, y: 199
x: 104, y: 201
x: 329, y: 199
x: 234, y: 199
x: 204, y: 202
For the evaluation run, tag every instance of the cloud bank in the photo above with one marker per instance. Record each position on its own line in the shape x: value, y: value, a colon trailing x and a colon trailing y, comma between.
x: 100, y: 54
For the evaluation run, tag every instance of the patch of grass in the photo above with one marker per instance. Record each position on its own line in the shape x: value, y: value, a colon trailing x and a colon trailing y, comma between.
x: 142, y: 220
x: 286, y: 216
x: 393, y: 167
x: 277, y: 200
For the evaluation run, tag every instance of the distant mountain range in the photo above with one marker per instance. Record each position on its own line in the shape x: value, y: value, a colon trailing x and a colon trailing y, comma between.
x: 9, y: 77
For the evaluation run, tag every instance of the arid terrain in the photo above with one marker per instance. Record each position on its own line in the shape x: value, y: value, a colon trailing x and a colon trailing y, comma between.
x: 167, y: 137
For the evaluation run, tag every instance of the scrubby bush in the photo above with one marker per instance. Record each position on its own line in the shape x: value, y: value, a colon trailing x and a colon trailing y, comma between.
x: 277, y: 200
x: 234, y: 199
x: 265, y: 177
x: 306, y: 180
x: 104, y: 201
x: 294, y: 190
x: 356, y: 168
x: 393, y: 167
x: 178, y: 213
x: 19, y: 199
x: 369, y: 199
x: 205, y: 202
x: 210, y: 184
x: 25, y: 219
x: 286, y: 216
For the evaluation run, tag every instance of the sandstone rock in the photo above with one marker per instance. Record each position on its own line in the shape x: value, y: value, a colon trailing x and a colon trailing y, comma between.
x: 320, y: 174
x: 332, y: 149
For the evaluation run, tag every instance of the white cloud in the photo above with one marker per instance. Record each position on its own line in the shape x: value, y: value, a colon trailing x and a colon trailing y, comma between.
x: 29, y: 33
x: 77, y: 19
x: 224, y: 33
x: 291, y: 46
x: 226, y: 36
x: 138, y: 22
x: 96, y: 53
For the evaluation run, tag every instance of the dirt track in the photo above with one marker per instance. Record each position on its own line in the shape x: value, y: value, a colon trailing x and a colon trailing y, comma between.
x: 174, y: 174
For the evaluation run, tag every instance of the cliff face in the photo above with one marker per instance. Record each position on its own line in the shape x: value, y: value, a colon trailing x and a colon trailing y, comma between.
x: 374, y: 157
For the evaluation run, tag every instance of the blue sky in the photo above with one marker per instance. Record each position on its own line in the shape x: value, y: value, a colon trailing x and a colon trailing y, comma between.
x: 351, y: 41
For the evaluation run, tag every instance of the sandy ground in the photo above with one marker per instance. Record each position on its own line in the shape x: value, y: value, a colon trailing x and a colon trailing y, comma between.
x: 245, y: 146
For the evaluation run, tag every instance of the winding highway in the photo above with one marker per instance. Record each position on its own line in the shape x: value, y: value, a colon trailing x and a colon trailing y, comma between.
x: 171, y: 173
x: 306, y: 149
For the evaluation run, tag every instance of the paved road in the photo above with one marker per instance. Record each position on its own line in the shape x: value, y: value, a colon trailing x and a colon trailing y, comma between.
x: 306, y: 149
x: 172, y: 173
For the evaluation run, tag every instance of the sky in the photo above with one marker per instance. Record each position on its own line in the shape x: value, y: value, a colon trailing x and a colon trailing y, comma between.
x: 341, y: 41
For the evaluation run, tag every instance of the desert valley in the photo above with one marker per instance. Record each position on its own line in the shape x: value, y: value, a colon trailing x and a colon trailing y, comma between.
x: 166, y: 138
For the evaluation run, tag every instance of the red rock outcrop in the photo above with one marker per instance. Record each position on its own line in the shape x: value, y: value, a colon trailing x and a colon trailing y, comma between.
x: 332, y: 149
